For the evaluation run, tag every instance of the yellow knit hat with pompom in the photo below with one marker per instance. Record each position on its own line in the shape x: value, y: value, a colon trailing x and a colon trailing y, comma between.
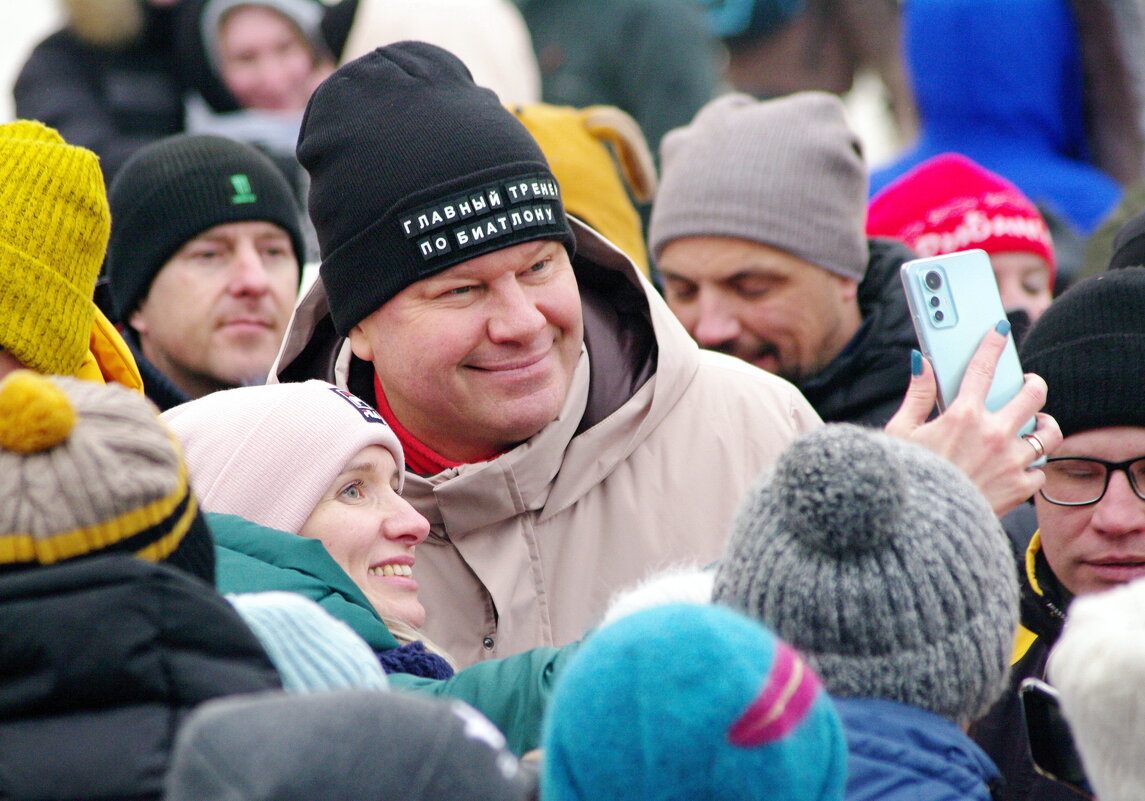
x: 88, y: 469
x: 53, y: 234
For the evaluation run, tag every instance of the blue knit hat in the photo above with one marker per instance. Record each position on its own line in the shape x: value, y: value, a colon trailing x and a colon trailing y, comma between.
x: 690, y: 702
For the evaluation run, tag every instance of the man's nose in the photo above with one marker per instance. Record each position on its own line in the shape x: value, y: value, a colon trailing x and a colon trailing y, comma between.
x: 1119, y: 511
x: 716, y: 322
x: 514, y: 316
x: 248, y: 272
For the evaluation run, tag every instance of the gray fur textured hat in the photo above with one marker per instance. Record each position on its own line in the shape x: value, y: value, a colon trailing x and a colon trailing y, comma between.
x: 1098, y: 667
x: 884, y: 566
x: 788, y: 173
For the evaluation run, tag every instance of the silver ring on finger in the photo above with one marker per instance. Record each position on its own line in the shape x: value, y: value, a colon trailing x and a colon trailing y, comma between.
x: 1036, y: 444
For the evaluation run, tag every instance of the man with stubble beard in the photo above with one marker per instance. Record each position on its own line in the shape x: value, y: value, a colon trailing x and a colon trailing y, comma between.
x: 758, y: 231
x: 204, y: 264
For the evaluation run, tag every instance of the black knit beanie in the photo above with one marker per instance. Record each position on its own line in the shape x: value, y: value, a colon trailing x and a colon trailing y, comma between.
x: 1129, y: 243
x: 172, y: 190
x: 1088, y: 347
x: 413, y: 169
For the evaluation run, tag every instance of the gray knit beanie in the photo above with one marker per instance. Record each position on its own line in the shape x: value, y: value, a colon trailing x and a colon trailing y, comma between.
x: 788, y: 173
x: 884, y: 566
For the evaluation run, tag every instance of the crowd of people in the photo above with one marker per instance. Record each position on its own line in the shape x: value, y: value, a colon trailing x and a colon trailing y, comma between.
x: 519, y: 400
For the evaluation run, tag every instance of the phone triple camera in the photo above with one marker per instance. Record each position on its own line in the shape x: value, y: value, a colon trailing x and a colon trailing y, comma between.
x: 938, y: 298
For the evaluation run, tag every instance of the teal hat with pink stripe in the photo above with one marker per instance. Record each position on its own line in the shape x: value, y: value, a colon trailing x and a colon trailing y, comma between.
x: 689, y: 701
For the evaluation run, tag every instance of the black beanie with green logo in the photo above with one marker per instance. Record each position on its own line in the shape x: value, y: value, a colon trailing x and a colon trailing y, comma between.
x: 172, y: 190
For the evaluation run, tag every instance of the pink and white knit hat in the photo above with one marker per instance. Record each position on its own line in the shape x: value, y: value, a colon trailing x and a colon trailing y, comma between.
x: 950, y: 203
x: 269, y: 453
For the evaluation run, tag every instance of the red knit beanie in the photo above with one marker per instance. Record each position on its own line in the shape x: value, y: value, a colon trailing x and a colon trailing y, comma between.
x: 950, y: 203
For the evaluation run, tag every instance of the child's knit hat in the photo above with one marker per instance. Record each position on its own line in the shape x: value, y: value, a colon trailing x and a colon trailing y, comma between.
x: 689, y: 701
x: 88, y: 469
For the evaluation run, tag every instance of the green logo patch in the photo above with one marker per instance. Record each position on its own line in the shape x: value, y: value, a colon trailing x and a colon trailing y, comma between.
x: 243, y: 192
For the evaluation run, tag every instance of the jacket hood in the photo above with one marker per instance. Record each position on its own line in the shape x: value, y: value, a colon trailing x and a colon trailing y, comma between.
x: 1016, y: 107
x: 1024, y: 81
x: 620, y: 378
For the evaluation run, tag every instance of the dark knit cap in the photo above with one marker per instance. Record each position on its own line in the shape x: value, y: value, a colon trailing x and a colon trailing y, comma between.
x: 172, y: 190
x: 413, y: 169
x: 1088, y: 347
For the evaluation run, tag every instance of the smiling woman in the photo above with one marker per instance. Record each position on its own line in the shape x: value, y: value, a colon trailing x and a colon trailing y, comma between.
x: 347, y: 497
x: 302, y: 483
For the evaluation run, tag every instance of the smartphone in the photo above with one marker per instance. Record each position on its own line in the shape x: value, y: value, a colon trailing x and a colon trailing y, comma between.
x: 953, y: 302
x: 1051, y: 742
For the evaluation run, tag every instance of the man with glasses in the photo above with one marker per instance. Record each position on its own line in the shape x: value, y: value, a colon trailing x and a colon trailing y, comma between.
x: 1091, y: 510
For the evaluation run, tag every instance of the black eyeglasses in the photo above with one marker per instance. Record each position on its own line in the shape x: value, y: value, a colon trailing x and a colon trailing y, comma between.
x: 1081, y: 481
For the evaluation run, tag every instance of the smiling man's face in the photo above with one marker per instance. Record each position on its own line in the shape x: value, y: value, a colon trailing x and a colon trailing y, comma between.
x: 480, y: 356
x: 767, y: 307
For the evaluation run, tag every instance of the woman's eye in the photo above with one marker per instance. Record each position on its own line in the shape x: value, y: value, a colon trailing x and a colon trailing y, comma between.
x: 352, y: 491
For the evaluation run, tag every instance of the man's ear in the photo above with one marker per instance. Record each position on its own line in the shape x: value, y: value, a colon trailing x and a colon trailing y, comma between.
x: 360, y: 344
x: 849, y: 287
x: 138, y: 321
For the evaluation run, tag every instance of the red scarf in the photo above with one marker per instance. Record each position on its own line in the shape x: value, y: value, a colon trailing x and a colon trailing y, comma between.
x: 420, y: 458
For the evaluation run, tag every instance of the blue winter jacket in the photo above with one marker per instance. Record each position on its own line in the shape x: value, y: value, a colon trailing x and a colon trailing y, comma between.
x: 901, y: 753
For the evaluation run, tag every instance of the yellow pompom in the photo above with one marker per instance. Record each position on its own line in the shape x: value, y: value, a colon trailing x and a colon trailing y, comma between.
x: 35, y: 414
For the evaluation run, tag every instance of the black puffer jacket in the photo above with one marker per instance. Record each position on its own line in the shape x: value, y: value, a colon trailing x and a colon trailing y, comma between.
x: 101, y: 660
x: 866, y: 382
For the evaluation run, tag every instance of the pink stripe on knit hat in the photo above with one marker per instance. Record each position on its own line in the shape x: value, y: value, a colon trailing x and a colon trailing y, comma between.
x: 786, y: 697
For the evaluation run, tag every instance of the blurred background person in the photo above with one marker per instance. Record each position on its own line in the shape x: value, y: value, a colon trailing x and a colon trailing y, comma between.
x: 490, y: 36
x: 270, y: 55
x: 1025, y: 106
x: 107, y: 79
x: 776, y: 47
x: 656, y: 59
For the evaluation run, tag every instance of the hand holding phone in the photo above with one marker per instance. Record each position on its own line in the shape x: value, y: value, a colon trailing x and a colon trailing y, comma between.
x: 954, y: 301
x: 985, y: 444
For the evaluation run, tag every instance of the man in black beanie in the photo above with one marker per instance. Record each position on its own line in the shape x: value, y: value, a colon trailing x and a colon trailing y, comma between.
x: 1091, y: 510
x: 563, y: 434
x: 548, y: 403
x: 203, y: 264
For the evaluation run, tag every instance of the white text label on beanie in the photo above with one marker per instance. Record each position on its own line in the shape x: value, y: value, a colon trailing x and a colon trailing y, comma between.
x: 487, y: 212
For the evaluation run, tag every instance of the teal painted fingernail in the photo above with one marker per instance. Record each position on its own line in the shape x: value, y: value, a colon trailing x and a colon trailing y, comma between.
x: 1003, y: 327
x: 915, y: 363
